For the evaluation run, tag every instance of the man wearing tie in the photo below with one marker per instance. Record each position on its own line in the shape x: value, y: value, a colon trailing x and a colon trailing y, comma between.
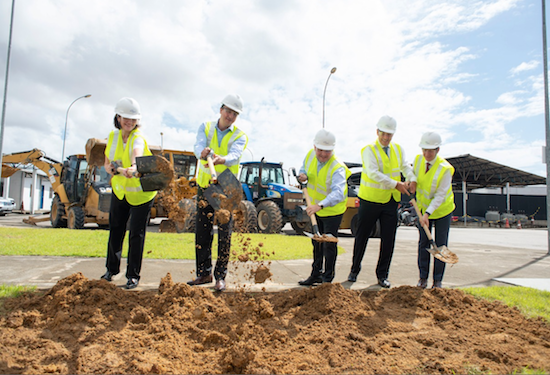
x: 379, y: 194
x: 435, y: 198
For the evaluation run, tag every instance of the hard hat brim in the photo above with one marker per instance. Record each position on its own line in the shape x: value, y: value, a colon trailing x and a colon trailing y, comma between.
x: 131, y: 117
x: 233, y: 108
x: 389, y: 131
x: 428, y: 147
x: 324, y: 147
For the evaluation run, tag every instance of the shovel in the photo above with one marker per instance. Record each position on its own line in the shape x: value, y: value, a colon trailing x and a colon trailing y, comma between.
x: 225, y: 191
x: 442, y: 252
x: 154, y: 172
x: 317, y: 236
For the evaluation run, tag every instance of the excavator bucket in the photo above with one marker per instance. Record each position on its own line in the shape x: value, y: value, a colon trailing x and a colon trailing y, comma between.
x: 8, y: 171
x: 95, y: 151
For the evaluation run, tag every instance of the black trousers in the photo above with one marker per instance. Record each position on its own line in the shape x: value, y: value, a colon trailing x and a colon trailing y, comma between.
x: 204, y: 236
x: 369, y: 213
x: 326, y: 252
x: 442, y: 226
x: 119, y: 213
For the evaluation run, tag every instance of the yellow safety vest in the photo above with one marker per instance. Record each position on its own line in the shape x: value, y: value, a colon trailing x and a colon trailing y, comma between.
x: 319, y: 184
x: 428, y: 183
x: 370, y: 189
x: 122, y: 186
x: 203, y: 179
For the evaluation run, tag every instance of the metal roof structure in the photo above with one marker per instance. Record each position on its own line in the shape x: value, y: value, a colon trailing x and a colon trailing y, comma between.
x: 481, y: 173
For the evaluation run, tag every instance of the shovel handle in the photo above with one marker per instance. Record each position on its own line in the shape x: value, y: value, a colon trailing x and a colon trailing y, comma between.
x: 212, y: 169
x: 134, y: 173
x: 312, y: 217
x: 426, y: 229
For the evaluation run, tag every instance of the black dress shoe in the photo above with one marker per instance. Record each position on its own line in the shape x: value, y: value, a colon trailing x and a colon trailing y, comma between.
x: 311, y: 280
x: 220, y: 285
x: 201, y: 280
x: 132, y: 283
x: 437, y: 284
x: 352, y: 277
x: 422, y: 283
x: 384, y: 283
x: 108, y: 276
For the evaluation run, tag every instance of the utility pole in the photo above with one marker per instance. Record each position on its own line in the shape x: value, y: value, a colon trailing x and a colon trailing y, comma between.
x: 6, y: 83
x: 546, y: 120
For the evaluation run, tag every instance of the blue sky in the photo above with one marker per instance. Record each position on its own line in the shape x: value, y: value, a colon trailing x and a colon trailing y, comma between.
x: 468, y: 69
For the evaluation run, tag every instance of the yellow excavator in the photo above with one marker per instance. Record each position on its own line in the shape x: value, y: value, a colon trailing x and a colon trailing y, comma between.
x: 83, y: 192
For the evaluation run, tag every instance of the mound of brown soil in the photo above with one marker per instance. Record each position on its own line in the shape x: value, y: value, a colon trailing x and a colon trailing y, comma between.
x: 91, y: 326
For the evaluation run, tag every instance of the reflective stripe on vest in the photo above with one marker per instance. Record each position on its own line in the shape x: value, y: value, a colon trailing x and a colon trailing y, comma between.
x: 427, y: 184
x: 319, y: 183
x: 122, y: 186
x: 203, y: 179
x: 370, y: 189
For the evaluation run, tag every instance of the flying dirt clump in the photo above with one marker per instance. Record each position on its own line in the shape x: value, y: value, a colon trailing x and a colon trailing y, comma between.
x: 251, y: 256
x: 83, y: 326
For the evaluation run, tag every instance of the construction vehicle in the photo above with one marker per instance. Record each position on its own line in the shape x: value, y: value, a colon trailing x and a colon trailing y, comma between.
x: 275, y: 202
x: 82, y: 186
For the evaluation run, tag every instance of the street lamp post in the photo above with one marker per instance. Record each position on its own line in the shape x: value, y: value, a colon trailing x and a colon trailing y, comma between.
x: 66, y: 118
x: 324, y: 92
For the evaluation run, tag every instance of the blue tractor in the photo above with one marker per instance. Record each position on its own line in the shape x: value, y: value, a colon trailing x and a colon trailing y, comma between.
x: 276, y: 203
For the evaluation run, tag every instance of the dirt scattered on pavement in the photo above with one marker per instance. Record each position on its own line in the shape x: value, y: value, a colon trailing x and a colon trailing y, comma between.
x: 92, y: 326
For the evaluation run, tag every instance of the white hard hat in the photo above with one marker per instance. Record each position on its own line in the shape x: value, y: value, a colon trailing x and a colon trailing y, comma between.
x: 430, y: 140
x: 234, y: 102
x: 324, y: 140
x: 387, y: 124
x: 128, y: 108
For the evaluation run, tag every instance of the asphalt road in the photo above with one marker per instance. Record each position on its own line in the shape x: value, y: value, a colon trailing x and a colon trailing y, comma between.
x: 488, y: 256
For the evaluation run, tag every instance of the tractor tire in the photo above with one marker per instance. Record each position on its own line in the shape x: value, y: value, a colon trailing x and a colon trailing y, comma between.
x: 191, y: 219
x: 75, y: 218
x: 57, y: 212
x: 301, y: 227
x: 246, y: 218
x: 270, y: 218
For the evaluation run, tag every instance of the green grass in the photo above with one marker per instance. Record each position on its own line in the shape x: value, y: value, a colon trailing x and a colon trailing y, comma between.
x: 14, y: 290
x: 531, y: 302
x: 93, y: 243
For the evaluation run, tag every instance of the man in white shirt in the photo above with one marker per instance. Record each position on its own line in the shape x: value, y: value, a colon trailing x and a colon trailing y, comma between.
x: 434, y: 194
x: 379, y: 194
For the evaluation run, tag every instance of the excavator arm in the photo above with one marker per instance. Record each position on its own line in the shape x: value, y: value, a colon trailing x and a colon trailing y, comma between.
x: 11, y: 163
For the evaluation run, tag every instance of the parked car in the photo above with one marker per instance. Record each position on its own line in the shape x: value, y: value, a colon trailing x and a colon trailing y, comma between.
x: 7, y: 205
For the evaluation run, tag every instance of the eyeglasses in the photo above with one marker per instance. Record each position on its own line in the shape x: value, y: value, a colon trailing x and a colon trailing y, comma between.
x: 230, y: 111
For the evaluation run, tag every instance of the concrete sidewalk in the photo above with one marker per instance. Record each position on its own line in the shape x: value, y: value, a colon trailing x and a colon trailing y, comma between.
x: 512, y: 256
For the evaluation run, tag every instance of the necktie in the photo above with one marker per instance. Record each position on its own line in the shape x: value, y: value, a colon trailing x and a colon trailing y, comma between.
x: 386, y: 151
x: 427, y: 167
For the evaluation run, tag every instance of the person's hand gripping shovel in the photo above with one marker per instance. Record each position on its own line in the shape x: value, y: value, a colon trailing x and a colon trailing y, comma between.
x: 154, y: 172
x: 225, y: 191
x: 442, y: 252
x: 316, y: 236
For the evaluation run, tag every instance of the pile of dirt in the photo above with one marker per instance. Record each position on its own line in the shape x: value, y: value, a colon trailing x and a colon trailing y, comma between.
x: 91, y: 326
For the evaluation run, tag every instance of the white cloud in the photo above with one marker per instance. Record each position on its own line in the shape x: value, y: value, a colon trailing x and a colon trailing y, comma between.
x: 180, y: 58
x: 525, y: 66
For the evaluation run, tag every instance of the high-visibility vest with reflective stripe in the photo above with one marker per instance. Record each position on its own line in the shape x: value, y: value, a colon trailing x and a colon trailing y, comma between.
x: 319, y: 183
x: 373, y: 191
x: 203, y: 179
x: 427, y: 184
x: 122, y: 186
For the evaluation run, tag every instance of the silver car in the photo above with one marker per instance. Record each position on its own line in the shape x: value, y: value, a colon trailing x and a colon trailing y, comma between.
x: 7, y: 205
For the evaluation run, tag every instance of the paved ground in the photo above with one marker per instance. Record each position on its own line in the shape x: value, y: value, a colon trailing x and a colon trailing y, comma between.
x: 488, y: 256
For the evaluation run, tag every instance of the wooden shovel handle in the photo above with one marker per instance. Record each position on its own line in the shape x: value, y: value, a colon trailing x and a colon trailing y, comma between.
x: 212, y: 169
x: 426, y: 229
x: 134, y: 173
x: 308, y: 202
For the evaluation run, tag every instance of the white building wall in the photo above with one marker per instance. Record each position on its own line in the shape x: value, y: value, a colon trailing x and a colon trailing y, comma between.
x: 19, y: 188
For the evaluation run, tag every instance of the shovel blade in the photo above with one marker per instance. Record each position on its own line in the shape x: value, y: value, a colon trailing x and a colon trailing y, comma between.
x: 226, y: 194
x: 152, y: 163
x: 214, y: 195
x: 443, y: 254
x: 154, y: 181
